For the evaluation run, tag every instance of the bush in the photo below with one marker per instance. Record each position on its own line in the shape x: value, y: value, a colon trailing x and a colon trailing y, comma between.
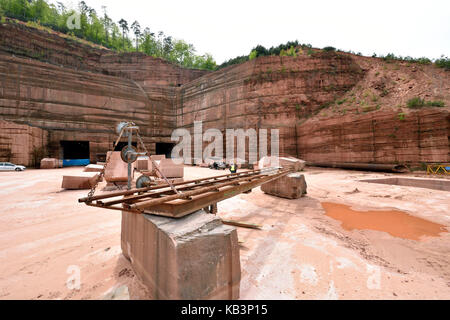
x: 418, y: 103
x: 415, y: 102
x: 443, y: 62
x: 436, y: 104
x: 329, y: 49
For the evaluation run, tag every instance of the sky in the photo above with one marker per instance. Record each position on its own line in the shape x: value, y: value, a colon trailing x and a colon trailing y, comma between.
x: 230, y: 28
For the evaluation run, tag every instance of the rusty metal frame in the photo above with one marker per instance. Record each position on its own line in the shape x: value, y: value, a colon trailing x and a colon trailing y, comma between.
x: 192, y: 195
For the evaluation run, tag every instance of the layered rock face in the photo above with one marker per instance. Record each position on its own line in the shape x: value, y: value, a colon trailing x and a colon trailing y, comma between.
x: 266, y: 93
x: 80, y: 93
x: 20, y: 144
x: 327, y: 106
x: 377, y: 137
x: 19, y: 39
x: 70, y: 105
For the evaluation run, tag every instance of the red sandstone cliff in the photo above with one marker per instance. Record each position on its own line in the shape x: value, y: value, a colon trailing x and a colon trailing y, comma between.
x: 372, y: 123
x: 76, y: 91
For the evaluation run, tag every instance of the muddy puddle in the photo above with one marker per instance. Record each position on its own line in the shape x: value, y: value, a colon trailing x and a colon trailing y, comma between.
x: 396, y: 223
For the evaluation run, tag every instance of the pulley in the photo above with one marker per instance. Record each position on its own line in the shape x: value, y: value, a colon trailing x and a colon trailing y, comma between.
x: 143, y: 181
x: 128, y: 154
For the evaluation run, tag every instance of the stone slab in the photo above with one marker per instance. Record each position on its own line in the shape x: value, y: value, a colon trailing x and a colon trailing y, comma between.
x: 81, y: 181
x: 93, y: 168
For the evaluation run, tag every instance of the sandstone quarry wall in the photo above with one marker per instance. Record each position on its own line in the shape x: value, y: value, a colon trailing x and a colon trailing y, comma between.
x: 79, y: 92
x: 377, y: 137
x: 18, y: 143
x: 266, y: 93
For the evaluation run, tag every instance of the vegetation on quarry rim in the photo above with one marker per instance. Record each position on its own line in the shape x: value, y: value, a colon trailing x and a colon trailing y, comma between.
x: 100, y: 29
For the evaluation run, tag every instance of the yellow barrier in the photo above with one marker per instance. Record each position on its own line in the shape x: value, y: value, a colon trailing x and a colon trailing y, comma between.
x: 438, y: 169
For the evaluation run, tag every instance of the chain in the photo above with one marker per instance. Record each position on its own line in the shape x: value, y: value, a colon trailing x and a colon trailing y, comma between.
x: 102, y: 173
x: 99, y: 177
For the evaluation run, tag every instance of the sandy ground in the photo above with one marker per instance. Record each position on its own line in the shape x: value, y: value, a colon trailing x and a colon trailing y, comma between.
x: 46, y: 237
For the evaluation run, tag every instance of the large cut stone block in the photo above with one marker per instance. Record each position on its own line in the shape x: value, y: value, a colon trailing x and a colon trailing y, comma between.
x: 291, y: 186
x: 285, y: 162
x: 292, y: 163
x: 84, y: 180
x: 143, y: 164
x: 50, y: 163
x: 170, y: 169
x: 117, y: 169
x: 194, y: 257
x: 158, y: 157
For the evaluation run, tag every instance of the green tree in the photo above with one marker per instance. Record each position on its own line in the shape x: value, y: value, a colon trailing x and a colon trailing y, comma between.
x: 102, y: 30
x: 137, y: 32
x: 124, y: 26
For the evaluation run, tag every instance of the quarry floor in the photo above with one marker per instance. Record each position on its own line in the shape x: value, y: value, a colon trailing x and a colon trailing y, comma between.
x: 300, y: 253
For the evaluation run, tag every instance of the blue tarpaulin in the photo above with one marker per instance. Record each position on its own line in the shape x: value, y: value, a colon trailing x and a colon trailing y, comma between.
x: 75, y: 162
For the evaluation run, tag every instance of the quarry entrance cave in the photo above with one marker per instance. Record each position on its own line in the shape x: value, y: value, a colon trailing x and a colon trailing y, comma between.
x: 165, y: 148
x: 75, y: 149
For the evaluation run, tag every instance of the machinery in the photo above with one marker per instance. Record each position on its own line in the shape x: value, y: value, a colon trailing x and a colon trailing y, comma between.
x: 174, y: 199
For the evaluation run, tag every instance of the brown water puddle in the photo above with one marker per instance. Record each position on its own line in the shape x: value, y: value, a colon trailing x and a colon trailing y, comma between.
x: 396, y: 223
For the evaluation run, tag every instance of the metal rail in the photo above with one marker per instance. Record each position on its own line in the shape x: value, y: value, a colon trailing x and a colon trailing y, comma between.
x: 191, y: 196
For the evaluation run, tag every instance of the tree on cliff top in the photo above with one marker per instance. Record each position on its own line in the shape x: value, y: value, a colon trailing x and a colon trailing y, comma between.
x: 124, y: 26
x: 137, y: 32
x: 103, y: 31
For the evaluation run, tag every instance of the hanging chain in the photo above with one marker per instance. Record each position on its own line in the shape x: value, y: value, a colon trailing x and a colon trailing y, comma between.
x: 102, y: 172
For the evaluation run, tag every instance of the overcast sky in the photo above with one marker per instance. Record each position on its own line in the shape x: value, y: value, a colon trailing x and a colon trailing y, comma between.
x: 230, y: 28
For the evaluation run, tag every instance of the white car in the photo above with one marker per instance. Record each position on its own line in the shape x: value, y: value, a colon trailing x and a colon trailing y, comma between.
x: 8, y: 166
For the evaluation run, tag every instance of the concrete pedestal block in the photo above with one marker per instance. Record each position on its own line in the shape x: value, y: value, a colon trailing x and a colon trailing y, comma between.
x: 194, y: 257
x: 291, y: 186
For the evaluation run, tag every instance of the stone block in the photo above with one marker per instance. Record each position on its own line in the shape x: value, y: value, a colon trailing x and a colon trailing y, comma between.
x: 291, y: 162
x: 50, y: 163
x: 117, y: 169
x: 291, y: 186
x: 84, y: 180
x: 285, y: 162
x: 194, y: 257
x: 170, y: 169
x: 143, y: 164
x: 158, y: 157
x: 93, y: 168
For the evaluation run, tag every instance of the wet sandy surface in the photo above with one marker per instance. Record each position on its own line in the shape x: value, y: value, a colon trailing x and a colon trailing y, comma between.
x: 300, y: 253
x: 396, y: 223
